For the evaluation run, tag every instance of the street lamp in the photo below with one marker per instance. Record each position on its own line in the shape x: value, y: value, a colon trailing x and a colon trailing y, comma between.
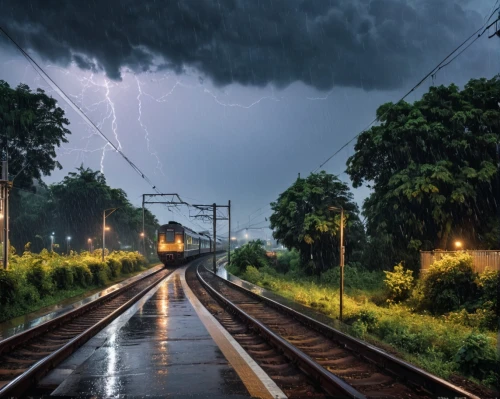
x: 68, y: 239
x: 458, y: 245
x: 52, y: 242
x: 342, y: 252
x: 143, y: 236
x: 89, y: 241
x: 104, y: 228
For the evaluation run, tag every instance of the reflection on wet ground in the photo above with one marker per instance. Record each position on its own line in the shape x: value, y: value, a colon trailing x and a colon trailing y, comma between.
x: 25, y: 322
x: 163, y: 350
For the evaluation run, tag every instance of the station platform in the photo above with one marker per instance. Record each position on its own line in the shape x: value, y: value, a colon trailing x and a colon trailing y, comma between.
x: 166, y: 345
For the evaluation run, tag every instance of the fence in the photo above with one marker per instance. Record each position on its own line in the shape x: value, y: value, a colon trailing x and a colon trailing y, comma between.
x: 480, y: 259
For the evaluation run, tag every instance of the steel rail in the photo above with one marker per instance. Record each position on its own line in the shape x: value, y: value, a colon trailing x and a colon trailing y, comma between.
x: 36, y: 372
x: 405, y: 372
x: 18, y: 339
x: 332, y: 384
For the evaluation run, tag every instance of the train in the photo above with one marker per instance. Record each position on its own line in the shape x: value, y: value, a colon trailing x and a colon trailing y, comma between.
x: 178, y: 244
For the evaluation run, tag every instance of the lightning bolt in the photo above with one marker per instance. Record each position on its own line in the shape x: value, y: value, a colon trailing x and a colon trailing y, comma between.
x: 159, y: 165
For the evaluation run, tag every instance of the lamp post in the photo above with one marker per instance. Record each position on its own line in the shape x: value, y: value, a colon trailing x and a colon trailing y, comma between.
x: 68, y: 239
x: 104, y: 216
x: 233, y: 239
x: 89, y: 241
x: 52, y: 242
x: 458, y: 245
x: 342, y: 252
x: 143, y: 236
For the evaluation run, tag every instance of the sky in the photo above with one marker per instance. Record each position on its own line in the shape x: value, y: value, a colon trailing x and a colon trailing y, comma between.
x: 231, y: 99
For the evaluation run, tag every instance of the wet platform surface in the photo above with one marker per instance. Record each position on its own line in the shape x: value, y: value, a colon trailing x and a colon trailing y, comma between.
x: 25, y: 322
x: 162, y: 350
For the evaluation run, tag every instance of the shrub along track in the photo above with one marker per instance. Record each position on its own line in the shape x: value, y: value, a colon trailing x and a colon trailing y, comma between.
x: 26, y: 357
x: 342, y: 365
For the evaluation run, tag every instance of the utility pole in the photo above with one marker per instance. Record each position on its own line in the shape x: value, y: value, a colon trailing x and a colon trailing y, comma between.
x: 229, y: 235
x: 215, y: 236
x: 4, y: 194
x: 143, y: 228
x: 104, y: 216
x: 341, y: 256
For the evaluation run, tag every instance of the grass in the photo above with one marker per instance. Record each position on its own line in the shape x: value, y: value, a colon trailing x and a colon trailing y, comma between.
x: 428, y: 341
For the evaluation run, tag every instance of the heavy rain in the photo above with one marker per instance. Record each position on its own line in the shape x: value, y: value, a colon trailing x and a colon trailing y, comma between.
x: 250, y: 198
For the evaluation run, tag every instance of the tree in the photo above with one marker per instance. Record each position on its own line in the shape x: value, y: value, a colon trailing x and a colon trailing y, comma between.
x: 74, y: 208
x: 80, y: 200
x: 301, y: 220
x: 432, y: 168
x: 31, y: 127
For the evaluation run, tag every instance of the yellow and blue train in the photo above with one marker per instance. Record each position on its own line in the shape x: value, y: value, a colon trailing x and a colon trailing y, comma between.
x: 178, y: 244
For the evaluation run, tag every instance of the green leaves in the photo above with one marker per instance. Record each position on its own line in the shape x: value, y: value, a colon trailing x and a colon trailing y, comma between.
x: 432, y: 166
x: 302, y: 220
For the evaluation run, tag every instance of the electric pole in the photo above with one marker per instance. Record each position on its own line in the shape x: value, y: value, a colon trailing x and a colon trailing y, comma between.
x: 229, y: 235
x: 4, y: 215
x: 215, y: 236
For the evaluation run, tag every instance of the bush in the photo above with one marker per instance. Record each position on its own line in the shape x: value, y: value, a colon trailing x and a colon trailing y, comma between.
x: 252, y: 274
x: 354, y: 277
x: 489, y: 286
x: 476, y: 356
x: 359, y: 329
x: 100, y: 272
x: 8, y: 286
x: 127, y: 266
x: 287, y: 261
x: 449, y: 283
x: 399, y: 283
x: 251, y: 254
x: 481, y: 318
x: 62, y: 276
x: 398, y: 333
x: 37, y: 274
x: 83, y: 275
x: 115, y: 267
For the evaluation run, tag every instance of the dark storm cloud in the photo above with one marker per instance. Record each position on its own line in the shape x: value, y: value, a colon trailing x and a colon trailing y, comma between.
x: 373, y: 44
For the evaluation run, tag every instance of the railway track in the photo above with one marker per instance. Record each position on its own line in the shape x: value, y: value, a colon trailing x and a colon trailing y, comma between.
x: 341, y: 365
x: 27, y: 357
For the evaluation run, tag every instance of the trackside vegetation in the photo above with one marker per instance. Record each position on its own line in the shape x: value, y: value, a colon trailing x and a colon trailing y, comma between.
x: 445, y: 321
x: 37, y: 280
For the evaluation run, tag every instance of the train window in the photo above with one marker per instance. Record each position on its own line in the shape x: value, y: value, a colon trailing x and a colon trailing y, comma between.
x: 178, y: 238
x: 189, y: 240
x: 170, y: 236
x: 161, y: 238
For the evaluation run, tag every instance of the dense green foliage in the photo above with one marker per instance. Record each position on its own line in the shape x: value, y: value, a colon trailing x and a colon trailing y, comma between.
x: 301, y: 220
x: 31, y: 127
x: 399, y: 283
x: 32, y: 279
x: 74, y: 208
x: 250, y: 254
x: 450, y: 283
x: 441, y: 344
x: 432, y: 168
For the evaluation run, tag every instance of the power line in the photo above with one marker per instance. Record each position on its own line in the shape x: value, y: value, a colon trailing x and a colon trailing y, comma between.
x: 75, y: 107
x: 432, y: 73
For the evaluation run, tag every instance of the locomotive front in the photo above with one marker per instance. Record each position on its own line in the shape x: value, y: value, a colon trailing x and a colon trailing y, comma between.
x: 171, y: 243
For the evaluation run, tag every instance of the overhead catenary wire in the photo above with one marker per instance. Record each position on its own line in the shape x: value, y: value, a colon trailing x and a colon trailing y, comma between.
x: 76, y: 108
x: 46, y: 77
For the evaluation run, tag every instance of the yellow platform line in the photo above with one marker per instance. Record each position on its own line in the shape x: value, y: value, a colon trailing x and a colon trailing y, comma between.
x: 256, y: 380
